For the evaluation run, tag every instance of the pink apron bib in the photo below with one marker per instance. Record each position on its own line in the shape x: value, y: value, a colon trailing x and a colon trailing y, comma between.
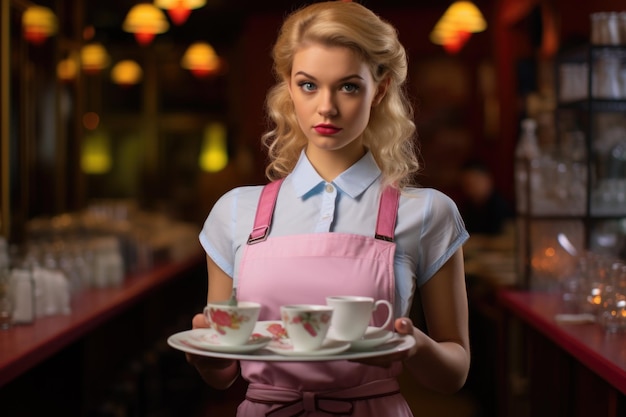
x: 306, y: 269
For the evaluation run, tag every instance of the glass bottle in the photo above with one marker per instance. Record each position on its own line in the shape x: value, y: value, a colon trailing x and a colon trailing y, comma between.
x: 527, y: 160
x: 6, y: 293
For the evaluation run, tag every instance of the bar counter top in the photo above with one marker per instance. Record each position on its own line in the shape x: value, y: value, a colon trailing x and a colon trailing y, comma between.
x: 603, y: 353
x: 22, y: 347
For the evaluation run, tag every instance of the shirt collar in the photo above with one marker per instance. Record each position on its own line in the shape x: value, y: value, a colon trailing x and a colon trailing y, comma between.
x: 352, y: 181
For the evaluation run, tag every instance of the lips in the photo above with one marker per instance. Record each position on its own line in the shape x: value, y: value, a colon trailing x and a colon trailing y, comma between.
x: 326, y: 129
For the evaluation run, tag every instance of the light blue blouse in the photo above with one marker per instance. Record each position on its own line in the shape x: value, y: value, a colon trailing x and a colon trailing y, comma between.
x: 428, y: 231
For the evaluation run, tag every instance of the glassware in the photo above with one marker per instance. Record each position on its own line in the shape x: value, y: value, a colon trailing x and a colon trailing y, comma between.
x: 527, y: 154
x: 606, y: 82
x: 6, y: 293
x: 6, y: 302
x: 611, y: 311
x: 605, y: 28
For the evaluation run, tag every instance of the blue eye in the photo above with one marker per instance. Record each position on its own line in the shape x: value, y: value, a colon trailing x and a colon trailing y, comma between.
x: 350, y: 88
x: 306, y: 85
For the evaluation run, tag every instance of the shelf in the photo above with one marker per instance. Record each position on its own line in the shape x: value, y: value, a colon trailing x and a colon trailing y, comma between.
x: 581, y: 53
x: 25, y: 346
x: 595, y: 105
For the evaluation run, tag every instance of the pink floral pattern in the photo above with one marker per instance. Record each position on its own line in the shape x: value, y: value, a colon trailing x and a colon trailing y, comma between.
x: 309, y: 321
x: 221, y: 320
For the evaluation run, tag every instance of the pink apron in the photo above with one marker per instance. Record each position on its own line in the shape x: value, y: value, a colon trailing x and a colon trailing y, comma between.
x: 305, y: 269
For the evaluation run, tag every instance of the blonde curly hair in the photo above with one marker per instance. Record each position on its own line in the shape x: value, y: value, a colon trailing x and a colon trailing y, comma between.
x: 390, y: 134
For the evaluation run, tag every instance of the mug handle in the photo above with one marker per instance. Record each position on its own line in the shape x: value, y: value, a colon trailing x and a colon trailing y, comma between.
x: 389, y: 314
x: 205, y: 313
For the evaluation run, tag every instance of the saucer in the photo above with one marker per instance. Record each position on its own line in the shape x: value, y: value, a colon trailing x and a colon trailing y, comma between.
x: 207, y: 340
x: 329, y: 347
x: 374, y: 336
x: 398, y: 343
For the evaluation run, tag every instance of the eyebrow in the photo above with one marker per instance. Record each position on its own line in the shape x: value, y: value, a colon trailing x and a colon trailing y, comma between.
x: 349, y: 77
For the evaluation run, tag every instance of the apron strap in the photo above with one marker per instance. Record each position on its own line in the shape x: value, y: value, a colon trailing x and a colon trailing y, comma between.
x: 385, y: 223
x: 387, y: 214
x: 264, y: 212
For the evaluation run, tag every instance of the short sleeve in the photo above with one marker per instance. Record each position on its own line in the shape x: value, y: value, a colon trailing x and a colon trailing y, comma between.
x: 443, y: 233
x: 218, y: 233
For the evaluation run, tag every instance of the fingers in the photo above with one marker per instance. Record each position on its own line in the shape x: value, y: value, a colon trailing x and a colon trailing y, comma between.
x: 404, y: 325
x: 199, y: 321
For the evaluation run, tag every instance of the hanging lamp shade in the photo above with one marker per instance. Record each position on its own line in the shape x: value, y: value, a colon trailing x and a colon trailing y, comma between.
x: 95, y: 155
x: 145, y: 21
x: 179, y: 10
x: 67, y: 69
x: 38, y: 24
x: 94, y: 58
x: 465, y: 16
x: 457, y: 24
x: 200, y: 58
x: 126, y: 73
x: 449, y: 36
x: 214, y: 152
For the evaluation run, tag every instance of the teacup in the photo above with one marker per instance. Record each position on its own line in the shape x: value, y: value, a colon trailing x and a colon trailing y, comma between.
x: 233, y: 324
x: 306, y: 325
x: 353, y: 314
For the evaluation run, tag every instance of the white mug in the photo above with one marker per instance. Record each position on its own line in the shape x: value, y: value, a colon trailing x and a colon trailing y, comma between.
x: 352, y: 315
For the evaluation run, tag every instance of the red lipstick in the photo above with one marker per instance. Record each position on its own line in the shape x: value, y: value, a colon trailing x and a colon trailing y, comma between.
x: 326, y: 129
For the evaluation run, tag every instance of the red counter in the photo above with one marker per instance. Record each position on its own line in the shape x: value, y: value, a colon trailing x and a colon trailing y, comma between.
x: 572, y: 369
x: 25, y: 346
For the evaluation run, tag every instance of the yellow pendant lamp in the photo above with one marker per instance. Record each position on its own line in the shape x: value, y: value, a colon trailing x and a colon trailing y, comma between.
x: 214, y: 153
x: 94, y: 58
x: 95, y: 155
x: 179, y: 10
x: 126, y: 73
x: 38, y: 24
x: 457, y: 24
x: 145, y: 21
x: 200, y: 58
x: 67, y: 69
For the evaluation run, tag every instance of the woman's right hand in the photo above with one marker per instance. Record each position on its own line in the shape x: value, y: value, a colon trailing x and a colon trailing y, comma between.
x: 218, y: 373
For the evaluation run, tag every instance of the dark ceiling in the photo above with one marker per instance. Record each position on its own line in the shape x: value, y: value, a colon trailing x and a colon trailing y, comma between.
x: 219, y: 18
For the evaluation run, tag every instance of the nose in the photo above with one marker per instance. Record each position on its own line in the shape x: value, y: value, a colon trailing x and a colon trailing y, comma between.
x: 326, y: 106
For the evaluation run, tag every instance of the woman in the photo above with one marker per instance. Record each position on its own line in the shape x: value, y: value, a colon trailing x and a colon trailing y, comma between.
x: 341, y: 146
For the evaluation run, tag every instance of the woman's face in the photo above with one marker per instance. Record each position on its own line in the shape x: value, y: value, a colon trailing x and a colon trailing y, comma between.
x: 333, y: 91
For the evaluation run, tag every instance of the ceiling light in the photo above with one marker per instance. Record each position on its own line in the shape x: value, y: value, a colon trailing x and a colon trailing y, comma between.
x: 457, y: 24
x: 466, y: 16
x: 179, y: 10
x: 145, y: 21
x: 38, y: 24
x: 200, y: 58
x: 214, y: 152
x: 126, y: 73
x: 67, y: 68
x: 94, y: 58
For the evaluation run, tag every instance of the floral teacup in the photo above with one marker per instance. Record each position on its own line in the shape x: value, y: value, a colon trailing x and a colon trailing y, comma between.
x: 232, y: 324
x: 306, y: 324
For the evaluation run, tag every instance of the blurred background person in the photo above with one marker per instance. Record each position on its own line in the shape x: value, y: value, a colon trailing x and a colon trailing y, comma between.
x: 483, y: 208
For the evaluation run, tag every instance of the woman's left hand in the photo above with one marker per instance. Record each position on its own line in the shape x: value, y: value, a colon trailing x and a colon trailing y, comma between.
x: 402, y: 326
